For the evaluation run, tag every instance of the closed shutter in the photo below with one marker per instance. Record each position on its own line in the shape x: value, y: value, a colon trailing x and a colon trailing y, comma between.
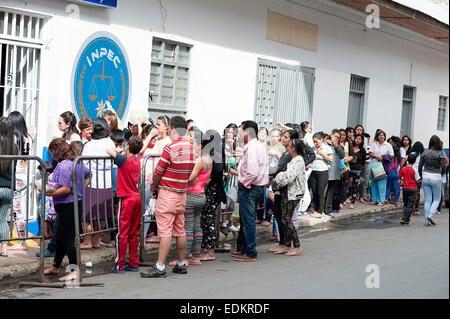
x: 407, y: 111
x: 283, y: 94
x: 355, y: 114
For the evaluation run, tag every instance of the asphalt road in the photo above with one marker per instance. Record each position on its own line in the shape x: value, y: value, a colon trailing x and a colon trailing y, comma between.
x: 413, y: 262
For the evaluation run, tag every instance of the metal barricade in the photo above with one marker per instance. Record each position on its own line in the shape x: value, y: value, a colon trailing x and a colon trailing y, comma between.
x: 145, y: 197
x: 21, y: 186
x: 97, y: 187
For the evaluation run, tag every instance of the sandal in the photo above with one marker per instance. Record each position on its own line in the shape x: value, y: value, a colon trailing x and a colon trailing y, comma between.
x: 289, y: 253
x: 195, y: 263
x: 207, y: 258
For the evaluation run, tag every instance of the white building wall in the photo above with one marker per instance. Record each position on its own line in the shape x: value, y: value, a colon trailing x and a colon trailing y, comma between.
x: 228, y: 38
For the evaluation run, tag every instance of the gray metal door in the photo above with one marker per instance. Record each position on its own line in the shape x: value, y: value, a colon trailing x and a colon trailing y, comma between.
x: 283, y: 94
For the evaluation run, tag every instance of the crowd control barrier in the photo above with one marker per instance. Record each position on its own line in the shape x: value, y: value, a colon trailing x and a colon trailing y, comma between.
x: 97, y: 206
x: 148, y: 216
x: 21, y: 205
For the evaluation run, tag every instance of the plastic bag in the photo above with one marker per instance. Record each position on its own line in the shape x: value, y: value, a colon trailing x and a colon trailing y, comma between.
x: 151, y: 209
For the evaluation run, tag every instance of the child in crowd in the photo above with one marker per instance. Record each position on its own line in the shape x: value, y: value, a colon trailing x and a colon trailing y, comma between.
x: 130, y: 205
x: 118, y: 137
x: 409, y: 188
x: 50, y: 213
x: 63, y: 198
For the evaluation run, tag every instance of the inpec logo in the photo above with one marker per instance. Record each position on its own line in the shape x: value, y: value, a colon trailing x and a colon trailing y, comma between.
x: 101, y: 77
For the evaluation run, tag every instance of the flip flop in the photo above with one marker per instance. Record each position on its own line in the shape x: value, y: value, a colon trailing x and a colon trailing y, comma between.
x: 208, y: 258
x: 279, y: 252
x: 196, y: 263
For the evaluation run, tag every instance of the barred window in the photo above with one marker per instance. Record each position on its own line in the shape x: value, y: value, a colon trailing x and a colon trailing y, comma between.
x: 407, y: 110
x: 356, y: 102
x: 442, y: 111
x: 169, y: 77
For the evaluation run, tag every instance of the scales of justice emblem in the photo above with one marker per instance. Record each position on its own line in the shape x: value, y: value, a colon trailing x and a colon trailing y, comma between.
x: 101, y: 79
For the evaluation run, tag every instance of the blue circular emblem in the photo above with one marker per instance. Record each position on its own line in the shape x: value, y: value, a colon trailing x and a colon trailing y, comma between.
x: 101, y: 77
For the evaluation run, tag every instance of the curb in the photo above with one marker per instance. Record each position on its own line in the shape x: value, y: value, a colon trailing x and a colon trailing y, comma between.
x: 105, y: 255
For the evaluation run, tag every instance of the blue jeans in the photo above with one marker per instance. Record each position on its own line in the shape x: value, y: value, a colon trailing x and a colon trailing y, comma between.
x: 378, y: 188
x: 432, y: 191
x: 392, y: 181
x: 246, y: 241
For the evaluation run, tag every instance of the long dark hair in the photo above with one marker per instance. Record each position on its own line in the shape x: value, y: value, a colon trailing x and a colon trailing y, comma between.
x: 71, y: 119
x: 435, y: 143
x: 20, y: 131
x: 417, y: 148
x: 361, y: 146
x: 7, y: 146
x: 398, y: 143
x: 300, y: 147
x: 303, y: 126
x: 101, y: 128
x: 293, y: 134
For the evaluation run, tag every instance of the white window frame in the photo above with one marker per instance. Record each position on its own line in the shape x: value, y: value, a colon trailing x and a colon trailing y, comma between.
x: 362, y: 91
x: 442, y: 122
x: 157, y: 106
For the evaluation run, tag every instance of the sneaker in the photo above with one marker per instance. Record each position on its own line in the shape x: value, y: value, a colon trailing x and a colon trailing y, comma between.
x: 245, y: 258
x: 47, y: 253
x: 180, y: 269
x: 154, y: 273
x: 224, y: 230
x: 129, y: 268
x: 117, y: 271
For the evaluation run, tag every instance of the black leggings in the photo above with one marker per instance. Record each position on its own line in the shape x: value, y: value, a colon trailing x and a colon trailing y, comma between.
x: 354, y: 185
x: 65, y: 236
x: 290, y: 233
x: 319, y: 182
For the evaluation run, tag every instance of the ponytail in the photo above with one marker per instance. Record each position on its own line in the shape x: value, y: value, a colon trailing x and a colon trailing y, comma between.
x: 71, y: 119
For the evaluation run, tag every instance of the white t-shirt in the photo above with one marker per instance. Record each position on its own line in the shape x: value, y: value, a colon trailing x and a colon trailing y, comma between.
x: 160, y: 144
x: 380, y: 150
x: 403, y: 152
x: 98, y: 148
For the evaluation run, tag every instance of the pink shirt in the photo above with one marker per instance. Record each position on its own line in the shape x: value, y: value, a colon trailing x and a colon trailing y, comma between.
x: 254, y: 165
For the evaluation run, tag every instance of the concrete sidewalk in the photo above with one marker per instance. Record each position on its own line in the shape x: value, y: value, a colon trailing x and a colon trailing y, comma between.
x: 23, y: 263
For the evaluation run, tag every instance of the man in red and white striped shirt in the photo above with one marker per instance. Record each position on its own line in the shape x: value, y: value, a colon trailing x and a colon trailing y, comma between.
x: 170, y: 181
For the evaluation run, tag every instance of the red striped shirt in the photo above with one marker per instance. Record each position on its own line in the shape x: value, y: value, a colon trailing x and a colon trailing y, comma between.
x: 175, y: 165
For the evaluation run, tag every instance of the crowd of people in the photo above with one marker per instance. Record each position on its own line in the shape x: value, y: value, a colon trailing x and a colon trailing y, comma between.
x: 253, y: 175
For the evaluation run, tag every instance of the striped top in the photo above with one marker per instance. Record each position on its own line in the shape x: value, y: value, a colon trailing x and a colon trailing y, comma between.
x: 175, y: 165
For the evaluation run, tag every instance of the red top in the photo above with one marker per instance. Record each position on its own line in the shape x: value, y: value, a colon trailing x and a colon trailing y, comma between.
x: 408, y: 173
x: 127, y: 175
x: 175, y: 165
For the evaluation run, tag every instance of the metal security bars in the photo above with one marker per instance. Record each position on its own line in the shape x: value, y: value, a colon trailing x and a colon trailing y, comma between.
x: 355, y: 114
x: 442, y: 111
x: 284, y: 93
x: 407, y: 110
x: 169, y: 77
x: 18, y: 210
x: 21, y: 27
x: 148, y: 219
x: 98, y: 207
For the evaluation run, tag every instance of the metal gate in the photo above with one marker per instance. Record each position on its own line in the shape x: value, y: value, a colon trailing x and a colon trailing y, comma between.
x: 284, y: 93
x: 20, y: 51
